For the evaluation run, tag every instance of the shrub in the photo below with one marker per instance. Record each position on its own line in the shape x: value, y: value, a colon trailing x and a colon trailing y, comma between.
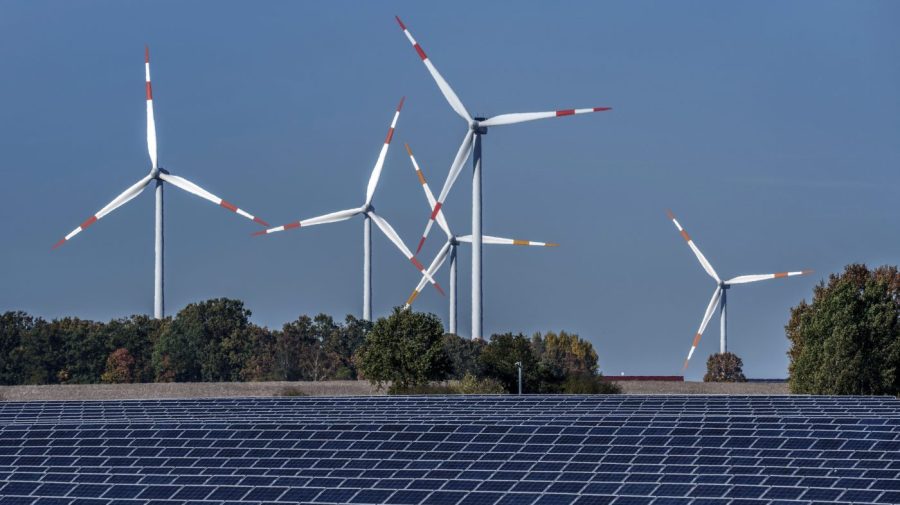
x: 587, y: 384
x: 439, y: 388
x: 293, y: 391
x: 472, y: 385
x: 724, y: 367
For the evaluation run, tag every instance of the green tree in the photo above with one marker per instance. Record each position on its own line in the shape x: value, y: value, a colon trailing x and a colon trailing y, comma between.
x: 724, y: 367
x: 203, y: 342
x: 15, y: 328
x: 847, y: 340
x: 498, y: 361
x: 463, y: 354
x: 256, y: 355
x: 343, y: 344
x: 290, y: 344
x: 84, y: 349
x: 38, y: 358
x: 404, y: 349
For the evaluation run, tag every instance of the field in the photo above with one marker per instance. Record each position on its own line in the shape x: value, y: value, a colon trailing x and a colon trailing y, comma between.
x: 328, y: 388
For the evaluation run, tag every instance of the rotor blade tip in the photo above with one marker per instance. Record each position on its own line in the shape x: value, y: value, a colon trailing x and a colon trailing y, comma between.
x: 146, y: 53
x: 807, y: 272
x: 400, y: 22
x: 602, y: 109
x: 258, y: 233
x: 684, y: 368
x: 408, y: 150
x: 439, y: 289
x: 552, y: 244
x: 669, y: 214
x: 402, y: 99
x: 61, y: 242
x: 260, y: 221
x: 421, y: 243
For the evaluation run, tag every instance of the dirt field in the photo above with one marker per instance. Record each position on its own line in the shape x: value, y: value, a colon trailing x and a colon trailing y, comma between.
x: 330, y: 388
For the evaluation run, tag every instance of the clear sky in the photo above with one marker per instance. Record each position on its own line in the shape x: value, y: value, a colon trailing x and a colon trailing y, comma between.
x: 770, y: 129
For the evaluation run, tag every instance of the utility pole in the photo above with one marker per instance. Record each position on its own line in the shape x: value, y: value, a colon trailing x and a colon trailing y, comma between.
x: 519, y: 366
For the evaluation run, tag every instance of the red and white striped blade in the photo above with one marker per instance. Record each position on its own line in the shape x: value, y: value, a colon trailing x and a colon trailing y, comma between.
x: 432, y: 269
x: 123, y: 198
x: 455, y: 168
x: 743, y: 279
x: 442, y: 83
x: 151, y: 123
x: 441, y: 220
x: 700, y: 257
x: 487, y: 239
x: 190, y: 187
x: 376, y: 172
x: 521, y: 117
x: 392, y: 235
x: 334, y: 217
x: 710, y: 309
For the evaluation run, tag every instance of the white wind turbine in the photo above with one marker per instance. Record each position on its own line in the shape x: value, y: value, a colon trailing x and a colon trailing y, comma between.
x: 369, y: 215
x: 476, y: 128
x: 159, y: 175
x: 719, y: 295
x: 449, y: 248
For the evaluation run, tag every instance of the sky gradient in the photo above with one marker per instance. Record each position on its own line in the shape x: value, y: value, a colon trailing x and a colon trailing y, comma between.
x: 771, y: 130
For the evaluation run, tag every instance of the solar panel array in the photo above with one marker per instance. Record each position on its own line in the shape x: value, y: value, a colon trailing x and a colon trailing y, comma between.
x: 484, y: 450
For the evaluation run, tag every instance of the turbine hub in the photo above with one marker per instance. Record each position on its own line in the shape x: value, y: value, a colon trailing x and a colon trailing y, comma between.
x: 476, y: 126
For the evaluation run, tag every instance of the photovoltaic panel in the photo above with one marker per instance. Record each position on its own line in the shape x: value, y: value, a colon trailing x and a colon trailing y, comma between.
x: 452, y: 450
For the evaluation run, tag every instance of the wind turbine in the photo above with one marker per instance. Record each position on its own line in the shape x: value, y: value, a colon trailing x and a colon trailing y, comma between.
x: 449, y: 248
x: 720, y: 294
x: 476, y: 128
x: 369, y: 215
x: 159, y: 175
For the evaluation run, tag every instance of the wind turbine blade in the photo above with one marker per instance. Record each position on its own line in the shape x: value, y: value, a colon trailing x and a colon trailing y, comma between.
x: 710, y: 309
x: 441, y: 220
x: 190, y: 187
x: 521, y: 117
x: 445, y: 88
x: 376, y: 172
x: 123, y: 198
x: 334, y: 217
x: 487, y: 239
x: 687, y: 238
x: 743, y: 279
x: 432, y: 269
x: 151, y: 123
x: 392, y: 235
x: 455, y: 168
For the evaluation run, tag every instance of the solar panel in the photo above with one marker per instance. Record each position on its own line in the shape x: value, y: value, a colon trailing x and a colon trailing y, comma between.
x: 454, y: 450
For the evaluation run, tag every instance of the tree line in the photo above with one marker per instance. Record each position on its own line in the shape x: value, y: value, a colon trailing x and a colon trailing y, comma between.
x: 215, y: 341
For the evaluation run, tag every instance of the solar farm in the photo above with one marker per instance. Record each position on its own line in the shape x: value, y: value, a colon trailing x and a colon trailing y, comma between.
x: 452, y: 450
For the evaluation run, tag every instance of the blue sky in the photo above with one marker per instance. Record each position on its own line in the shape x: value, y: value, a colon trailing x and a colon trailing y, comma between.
x: 770, y: 129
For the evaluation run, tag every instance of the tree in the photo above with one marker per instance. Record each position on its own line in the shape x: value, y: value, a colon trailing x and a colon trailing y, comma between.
x: 498, y: 360
x: 119, y: 367
x: 724, y: 367
x: 404, y: 349
x: 343, y: 344
x: 847, y: 340
x: 15, y: 328
x: 462, y: 354
x: 138, y: 334
x: 203, y: 342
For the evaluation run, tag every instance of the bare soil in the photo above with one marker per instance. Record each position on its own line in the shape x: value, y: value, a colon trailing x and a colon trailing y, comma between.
x: 328, y: 388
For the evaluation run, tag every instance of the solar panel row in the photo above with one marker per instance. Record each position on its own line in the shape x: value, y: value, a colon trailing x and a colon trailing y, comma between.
x: 622, y: 450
